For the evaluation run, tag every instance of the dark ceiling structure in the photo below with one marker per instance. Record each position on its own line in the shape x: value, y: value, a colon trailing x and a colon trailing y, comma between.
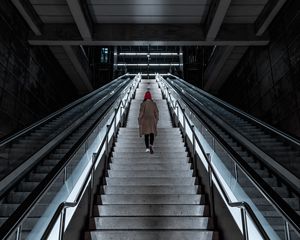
x: 229, y: 25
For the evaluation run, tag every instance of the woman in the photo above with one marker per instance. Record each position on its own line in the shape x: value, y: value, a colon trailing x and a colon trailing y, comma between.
x: 148, y: 118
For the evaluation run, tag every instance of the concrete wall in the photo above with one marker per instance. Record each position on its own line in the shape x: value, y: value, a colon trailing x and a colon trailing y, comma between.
x: 266, y: 83
x: 32, y: 84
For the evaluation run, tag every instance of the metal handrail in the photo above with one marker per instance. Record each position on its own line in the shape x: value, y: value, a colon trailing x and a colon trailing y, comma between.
x: 15, y: 220
x: 291, y: 183
x: 245, y: 171
x: 286, y: 211
x: 244, y: 114
x: 61, y: 209
x: 47, y: 118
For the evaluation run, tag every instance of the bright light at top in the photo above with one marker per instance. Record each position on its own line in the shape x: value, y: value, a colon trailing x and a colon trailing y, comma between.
x: 151, y: 54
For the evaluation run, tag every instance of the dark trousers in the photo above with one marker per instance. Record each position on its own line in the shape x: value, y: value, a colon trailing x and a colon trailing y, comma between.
x: 151, y: 135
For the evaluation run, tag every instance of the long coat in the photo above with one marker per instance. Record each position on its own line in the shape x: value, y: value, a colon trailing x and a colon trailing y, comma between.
x: 148, y: 117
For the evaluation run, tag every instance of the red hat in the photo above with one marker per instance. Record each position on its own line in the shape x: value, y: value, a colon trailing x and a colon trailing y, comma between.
x: 147, y: 95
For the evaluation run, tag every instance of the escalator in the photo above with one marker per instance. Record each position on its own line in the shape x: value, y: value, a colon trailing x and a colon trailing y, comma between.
x: 270, y: 155
x: 151, y: 196
x: 35, y: 155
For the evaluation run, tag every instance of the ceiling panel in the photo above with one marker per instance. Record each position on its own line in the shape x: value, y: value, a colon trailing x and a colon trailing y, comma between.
x: 149, y: 2
x: 140, y: 13
x: 247, y: 11
x: 57, y: 19
x: 48, y: 2
x: 148, y: 19
x: 53, y: 11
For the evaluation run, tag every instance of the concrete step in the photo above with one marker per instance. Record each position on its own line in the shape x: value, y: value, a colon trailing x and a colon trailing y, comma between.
x: 157, y: 149
x: 112, y: 199
x: 150, y: 223
x: 136, y: 130
x: 147, y: 173
x: 141, y: 144
x: 150, y: 167
x: 149, y: 181
x: 152, y: 190
x: 143, y: 154
x: 150, y: 210
x: 152, y: 235
x: 135, y: 161
x: 150, y: 157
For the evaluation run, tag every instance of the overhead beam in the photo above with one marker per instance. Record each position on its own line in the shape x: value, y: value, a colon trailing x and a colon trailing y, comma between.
x: 29, y: 14
x: 81, y: 70
x: 221, y: 64
x: 215, y: 65
x: 215, y: 17
x: 267, y: 15
x: 81, y: 17
x: 153, y: 34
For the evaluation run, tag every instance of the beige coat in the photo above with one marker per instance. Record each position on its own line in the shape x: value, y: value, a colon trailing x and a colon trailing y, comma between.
x: 148, y: 117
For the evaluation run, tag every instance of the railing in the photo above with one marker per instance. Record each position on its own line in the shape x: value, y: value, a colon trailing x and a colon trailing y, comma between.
x: 289, y: 216
x: 89, y: 179
x: 14, y: 226
x: 245, y: 115
x: 46, y: 119
x: 244, y: 206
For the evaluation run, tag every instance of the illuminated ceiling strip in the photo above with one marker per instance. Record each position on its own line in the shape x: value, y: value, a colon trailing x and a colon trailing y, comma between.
x: 145, y: 54
x: 151, y: 64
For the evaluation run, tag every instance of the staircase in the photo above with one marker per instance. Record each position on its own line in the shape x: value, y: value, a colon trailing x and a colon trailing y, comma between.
x: 150, y: 196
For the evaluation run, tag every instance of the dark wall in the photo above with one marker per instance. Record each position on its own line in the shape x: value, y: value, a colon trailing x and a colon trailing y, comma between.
x: 194, y: 62
x: 266, y: 83
x: 32, y: 84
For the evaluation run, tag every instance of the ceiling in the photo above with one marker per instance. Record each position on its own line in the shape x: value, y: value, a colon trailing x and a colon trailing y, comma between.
x: 230, y: 25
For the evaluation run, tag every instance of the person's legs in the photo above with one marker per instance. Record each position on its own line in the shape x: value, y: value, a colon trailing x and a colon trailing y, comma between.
x: 151, y: 139
x: 147, y: 142
x: 151, y: 142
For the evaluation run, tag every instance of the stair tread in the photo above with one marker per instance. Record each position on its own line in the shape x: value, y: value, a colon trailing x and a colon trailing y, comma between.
x: 133, y: 223
x: 150, y: 210
x: 151, y: 235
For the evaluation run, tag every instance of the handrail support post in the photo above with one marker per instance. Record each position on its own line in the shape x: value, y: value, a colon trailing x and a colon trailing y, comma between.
x: 287, y: 231
x: 19, y: 232
x: 91, y: 202
x: 211, y: 189
x: 62, y: 224
x: 184, y: 124
x: 244, y: 223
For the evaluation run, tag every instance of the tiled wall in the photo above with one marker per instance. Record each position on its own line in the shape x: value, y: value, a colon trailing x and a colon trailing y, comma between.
x: 266, y: 83
x: 32, y: 84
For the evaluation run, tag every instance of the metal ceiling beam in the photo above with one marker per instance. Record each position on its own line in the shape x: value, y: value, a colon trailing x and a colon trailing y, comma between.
x: 81, y: 17
x: 215, y: 65
x: 215, y: 17
x: 84, y: 85
x: 267, y: 15
x: 153, y: 34
x: 220, y: 66
x: 29, y: 14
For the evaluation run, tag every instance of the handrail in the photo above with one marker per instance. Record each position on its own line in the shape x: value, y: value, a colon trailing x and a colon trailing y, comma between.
x: 60, y: 211
x: 47, y: 118
x: 291, y: 180
x: 244, y: 114
x: 250, y: 176
x: 23, y: 210
x: 288, y: 213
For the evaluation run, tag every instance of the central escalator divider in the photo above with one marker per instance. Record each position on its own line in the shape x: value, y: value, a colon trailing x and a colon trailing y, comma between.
x: 150, y: 196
